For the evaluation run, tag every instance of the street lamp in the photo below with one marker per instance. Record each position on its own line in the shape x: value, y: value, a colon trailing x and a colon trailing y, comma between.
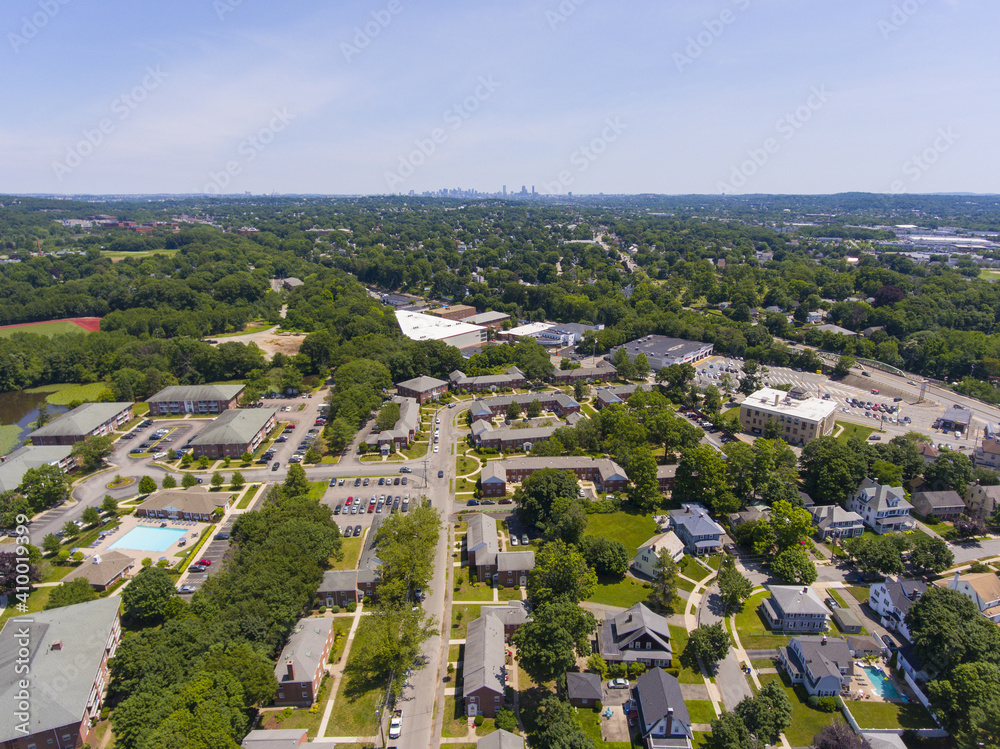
x: 381, y: 729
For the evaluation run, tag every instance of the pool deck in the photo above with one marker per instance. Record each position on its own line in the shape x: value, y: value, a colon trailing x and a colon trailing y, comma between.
x: 860, y: 683
x: 130, y: 522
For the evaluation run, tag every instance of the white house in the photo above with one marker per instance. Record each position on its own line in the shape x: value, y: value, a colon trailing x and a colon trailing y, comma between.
x: 823, y: 665
x: 883, y: 508
x: 644, y: 560
x: 892, y: 599
x: 984, y: 590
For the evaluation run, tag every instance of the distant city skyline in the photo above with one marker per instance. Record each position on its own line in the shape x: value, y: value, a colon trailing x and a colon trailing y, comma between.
x: 581, y: 96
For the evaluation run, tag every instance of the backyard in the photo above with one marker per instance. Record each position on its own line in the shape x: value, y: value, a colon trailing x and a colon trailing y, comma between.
x: 460, y: 618
x: 754, y: 634
x: 806, y: 722
x: 890, y: 715
x: 630, y: 528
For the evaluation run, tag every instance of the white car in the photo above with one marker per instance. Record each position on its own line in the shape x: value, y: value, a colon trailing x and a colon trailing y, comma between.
x: 513, y: 540
x: 618, y: 684
x: 159, y: 455
x: 395, y: 727
x: 436, y: 448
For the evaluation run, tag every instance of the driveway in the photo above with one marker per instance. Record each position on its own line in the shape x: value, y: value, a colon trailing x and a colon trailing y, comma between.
x: 730, y: 679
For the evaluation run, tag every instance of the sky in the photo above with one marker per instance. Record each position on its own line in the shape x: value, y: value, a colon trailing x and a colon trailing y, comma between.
x: 582, y: 96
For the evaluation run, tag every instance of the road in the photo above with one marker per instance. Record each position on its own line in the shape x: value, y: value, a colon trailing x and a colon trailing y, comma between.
x: 730, y: 679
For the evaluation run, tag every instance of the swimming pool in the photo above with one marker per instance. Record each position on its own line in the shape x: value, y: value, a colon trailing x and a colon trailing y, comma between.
x: 883, y: 687
x: 149, y: 539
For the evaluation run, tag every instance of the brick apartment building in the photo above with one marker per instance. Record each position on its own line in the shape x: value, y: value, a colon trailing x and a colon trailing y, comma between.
x: 235, y: 432
x: 88, y: 420
x: 194, y: 399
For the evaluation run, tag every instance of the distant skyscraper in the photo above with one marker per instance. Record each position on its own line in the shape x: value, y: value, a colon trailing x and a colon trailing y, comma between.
x: 532, y: 189
x: 505, y: 191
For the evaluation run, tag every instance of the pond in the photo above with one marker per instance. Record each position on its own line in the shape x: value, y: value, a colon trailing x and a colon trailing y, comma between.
x: 17, y: 412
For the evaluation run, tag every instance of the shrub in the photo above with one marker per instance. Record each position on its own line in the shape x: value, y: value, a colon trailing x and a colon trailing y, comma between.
x: 335, y: 609
x: 506, y: 720
x: 823, y: 704
x: 598, y: 706
x: 322, y: 609
x: 351, y: 607
x: 478, y: 720
x: 597, y: 664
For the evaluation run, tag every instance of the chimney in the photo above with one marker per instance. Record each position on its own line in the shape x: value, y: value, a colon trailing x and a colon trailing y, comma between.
x: 957, y: 575
x: 56, y: 645
x: 823, y: 642
x: 776, y: 396
x: 97, y: 558
x: 670, y: 720
x: 290, y: 670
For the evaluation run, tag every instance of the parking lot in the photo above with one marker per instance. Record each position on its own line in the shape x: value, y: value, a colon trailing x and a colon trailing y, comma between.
x: 214, y: 551
x: 174, y: 435
x: 355, y: 502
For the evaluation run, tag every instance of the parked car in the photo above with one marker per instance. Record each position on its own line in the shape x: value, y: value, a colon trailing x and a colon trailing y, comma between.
x: 186, y: 589
x: 513, y: 540
x: 618, y: 684
x: 832, y: 603
x: 205, y: 562
x: 440, y: 474
x: 337, y: 509
x: 357, y: 482
x: 472, y: 503
x: 357, y: 531
x: 524, y: 539
x: 196, y: 568
x: 348, y: 531
x: 395, y: 727
x: 222, y: 536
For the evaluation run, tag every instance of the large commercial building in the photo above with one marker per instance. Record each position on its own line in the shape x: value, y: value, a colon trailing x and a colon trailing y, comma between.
x: 194, y: 399
x: 662, y: 351
x: 419, y: 327
x: 235, y: 432
x: 800, y: 420
x: 88, y: 420
x: 66, y: 652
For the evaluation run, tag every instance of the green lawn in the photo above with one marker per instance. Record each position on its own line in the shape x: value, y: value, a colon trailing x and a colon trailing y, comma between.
x: 465, y: 464
x: 352, y: 550
x: 317, y: 489
x: 691, y: 568
x: 55, y: 327
x: 835, y: 595
x: 509, y: 594
x: 701, y: 711
x: 689, y: 671
x: 860, y: 592
x: 455, y: 653
x: 630, y: 528
x: 10, y: 435
x: 806, y: 722
x: 460, y: 627
x: 455, y: 724
x: 63, y: 395
x: 36, y: 602
x: 890, y: 715
x: 626, y: 592
x: 341, y: 628
x: 353, y: 711
x: 754, y: 634
x: 851, y: 430
x: 466, y: 591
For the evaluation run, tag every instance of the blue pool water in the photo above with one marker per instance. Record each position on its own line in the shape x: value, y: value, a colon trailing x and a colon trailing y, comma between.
x: 881, y: 684
x: 148, y: 539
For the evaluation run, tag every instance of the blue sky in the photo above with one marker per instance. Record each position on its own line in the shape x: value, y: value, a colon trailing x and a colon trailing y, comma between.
x: 771, y: 96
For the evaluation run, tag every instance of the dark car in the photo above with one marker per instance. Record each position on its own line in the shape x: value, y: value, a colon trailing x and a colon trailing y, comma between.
x: 404, y: 480
x: 357, y: 482
x: 381, y: 482
x: 487, y: 502
x: 366, y: 482
x: 196, y: 568
x: 506, y: 501
x: 440, y: 474
x: 395, y: 481
x: 893, y: 647
x: 357, y: 530
x: 222, y: 536
x: 333, y: 482
x: 275, y: 466
x: 337, y: 509
x: 472, y: 503
x: 348, y: 531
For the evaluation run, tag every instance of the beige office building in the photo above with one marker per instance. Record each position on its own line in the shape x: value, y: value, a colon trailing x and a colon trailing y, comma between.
x: 800, y: 418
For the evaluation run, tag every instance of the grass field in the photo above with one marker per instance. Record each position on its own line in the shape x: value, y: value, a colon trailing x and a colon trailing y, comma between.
x: 835, y: 595
x: 890, y: 715
x: 626, y: 592
x: 806, y: 722
x: 63, y: 395
x: 691, y: 568
x: 352, y: 550
x: 117, y: 256
x: 689, y: 671
x: 460, y: 625
x: 754, y: 634
x: 851, y: 430
x: 317, y: 489
x: 50, y: 329
x: 630, y: 528
x: 701, y: 711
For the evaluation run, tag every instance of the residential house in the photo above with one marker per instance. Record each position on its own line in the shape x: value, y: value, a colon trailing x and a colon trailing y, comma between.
x: 64, y: 653
x: 664, y: 720
x: 369, y: 564
x: 184, y: 504
x: 987, y: 454
x: 500, y: 739
x: 483, y: 670
x: 487, y: 562
x: 946, y: 505
x: 510, y: 439
x: 302, y: 662
x: 404, y: 430
x: 584, y: 690
x: 696, y: 529
x: 794, y: 608
x: 291, y: 283
x: 823, y: 665
x: 234, y: 432
x: 912, y: 664
x: 928, y: 452
x: 511, y: 615
x: 833, y: 521
x: 103, y: 570
x: 636, y: 634
x: 194, y: 399
x: 422, y: 389
x: 605, y: 473
x: 666, y: 476
x: 847, y: 621
x: 603, y: 372
x: 749, y: 515
x: 649, y: 553
x: 864, y: 645
x: 891, y: 601
x: 617, y: 394
x: 88, y: 420
x: 883, y: 508
x: 279, y: 738
x: 982, y: 501
x: 338, y: 588
x: 983, y: 588
x: 558, y: 403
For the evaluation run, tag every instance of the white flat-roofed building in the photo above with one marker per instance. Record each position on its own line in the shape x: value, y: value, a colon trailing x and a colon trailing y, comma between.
x: 662, y: 351
x: 457, y: 333
x: 799, y: 420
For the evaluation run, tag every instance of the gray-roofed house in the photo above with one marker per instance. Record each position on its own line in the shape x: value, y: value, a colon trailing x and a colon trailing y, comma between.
x: 833, y: 521
x: 487, y: 562
x: 103, y: 570
x: 489, y: 319
x: 369, y: 565
x: 509, y: 439
x: 404, y: 430
x: 67, y: 655
x: 88, y: 420
x: 279, y: 738
x: 636, y: 634
x: 583, y: 690
x: 864, y: 645
x: 513, y: 378
x: 946, y: 505
x: 338, y: 588
x: 847, y: 621
x: 558, y: 403
x: 794, y: 608
x: 608, y: 475
x: 512, y: 615
x: 234, y: 432
x: 291, y: 283
x: 483, y: 669
x: 500, y: 739
x: 823, y: 665
x: 956, y: 418
x: 302, y: 662
x: 194, y: 399
x: 663, y: 715
x: 666, y: 477
x: 695, y: 527
x: 422, y: 389
x: 646, y: 557
x: 750, y: 515
x: 24, y: 458
x: 892, y: 598
x: 602, y: 373
x: 182, y: 504
x: 883, y: 508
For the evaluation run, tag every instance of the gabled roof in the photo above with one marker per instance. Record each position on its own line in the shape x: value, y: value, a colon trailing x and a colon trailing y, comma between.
x: 422, y: 384
x: 986, y: 584
x: 483, y: 666
x: 668, y: 541
x: 481, y: 537
x: 945, y: 500
x: 280, y: 738
x: 235, y: 426
x: 658, y: 693
x: 186, y: 501
x: 81, y: 420
x: 513, y: 613
x: 585, y: 686
x: 904, y: 591
x: 500, y: 739
x: 102, y: 569
x: 23, y: 459
x: 338, y: 580
x: 197, y: 393
x: 696, y: 520
x: 880, y: 497
x: 823, y: 656
x: 826, y: 516
x: 512, y: 561
x: 303, y: 650
x: 618, y: 632
x: 797, y: 599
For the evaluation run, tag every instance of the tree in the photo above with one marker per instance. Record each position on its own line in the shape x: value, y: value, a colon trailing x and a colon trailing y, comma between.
x: 246, y: 457
x: 44, y: 416
x: 188, y: 480
x: 701, y: 477
x: 608, y: 557
x: 752, y: 378
x: 91, y: 516
x: 560, y: 574
x: 147, y: 598
x: 730, y: 732
x: 92, y: 451
x: 644, y: 492
x: 948, y: 630
x: 791, y: 524
x: 67, y: 594
x: 710, y: 642
x: 844, y: 364
x: 579, y: 391
x: 767, y: 713
x: 568, y: 522
x: 237, y: 481
x: 541, y: 490
x: 556, y: 727
x: 70, y: 529
x: 757, y: 535
x: 12, y: 506
x: 169, y: 482
x: 794, y: 566
x: 506, y: 720
x: 216, y: 481
x: 950, y: 470
x: 969, y: 527
x: 548, y: 645
x: 734, y: 587
x: 839, y: 735
x: 11, y: 569
x: 640, y: 367
x: 406, y: 547
x: 44, y: 487
x: 252, y: 669
x: 513, y: 411
x: 109, y: 504
x: 389, y: 641
x: 147, y: 485
x: 665, y: 571
x: 534, y: 409
x: 931, y: 554
x: 882, y: 555
x: 712, y: 402
x: 295, y: 483
x: 832, y: 468
x: 51, y: 543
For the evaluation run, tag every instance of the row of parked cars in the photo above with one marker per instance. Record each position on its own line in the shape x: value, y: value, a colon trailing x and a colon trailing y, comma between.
x: 375, y: 504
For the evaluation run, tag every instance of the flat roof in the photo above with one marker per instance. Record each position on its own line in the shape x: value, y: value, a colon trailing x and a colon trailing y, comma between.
x: 420, y: 327
x: 532, y: 328
x: 810, y: 409
x: 661, y: 345
x: 487, y: 317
